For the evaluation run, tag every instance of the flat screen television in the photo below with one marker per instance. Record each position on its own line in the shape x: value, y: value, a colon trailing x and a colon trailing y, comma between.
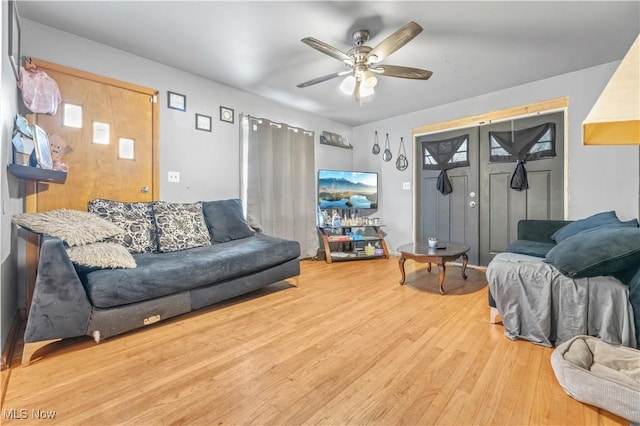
x: 340, y: 189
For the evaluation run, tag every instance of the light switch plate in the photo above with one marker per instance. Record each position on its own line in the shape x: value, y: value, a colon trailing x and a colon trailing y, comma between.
x: 406, y: 186
x: 174, y: 177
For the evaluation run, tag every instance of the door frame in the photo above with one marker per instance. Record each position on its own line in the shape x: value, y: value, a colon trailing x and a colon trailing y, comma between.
x: 560, y: 104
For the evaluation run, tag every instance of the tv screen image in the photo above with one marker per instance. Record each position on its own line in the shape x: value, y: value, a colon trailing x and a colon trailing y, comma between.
x: 339, y: 189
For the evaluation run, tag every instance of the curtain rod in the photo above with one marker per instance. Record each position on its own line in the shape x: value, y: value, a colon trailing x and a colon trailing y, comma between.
x: 273, y: 123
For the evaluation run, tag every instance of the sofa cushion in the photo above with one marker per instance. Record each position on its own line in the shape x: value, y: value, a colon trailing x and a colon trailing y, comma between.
x: 136, y: 219
x: 597, y: 252
x: 101, y: 255
x: 160, y: 274
x: 74, y: 227
x: 594, y: 221
x: 180, y: 226
x: 530, y: 248
x: 225, y: 220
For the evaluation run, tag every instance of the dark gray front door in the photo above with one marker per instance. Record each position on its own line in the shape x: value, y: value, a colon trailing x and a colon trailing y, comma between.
x: 451, y: 217
x: 502, y: 207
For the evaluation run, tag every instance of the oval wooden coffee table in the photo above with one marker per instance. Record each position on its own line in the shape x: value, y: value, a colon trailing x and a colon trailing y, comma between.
x: 448, y: 251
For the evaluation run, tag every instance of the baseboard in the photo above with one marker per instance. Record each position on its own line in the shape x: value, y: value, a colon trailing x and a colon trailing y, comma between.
x: 10, y: 344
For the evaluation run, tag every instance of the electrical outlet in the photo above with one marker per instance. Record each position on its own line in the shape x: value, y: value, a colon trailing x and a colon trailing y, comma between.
x: 406, y: 186
x: 174, y: 177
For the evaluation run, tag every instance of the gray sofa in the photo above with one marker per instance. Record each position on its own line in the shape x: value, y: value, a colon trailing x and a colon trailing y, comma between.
x: 72, y: 300
x: 560, y: 279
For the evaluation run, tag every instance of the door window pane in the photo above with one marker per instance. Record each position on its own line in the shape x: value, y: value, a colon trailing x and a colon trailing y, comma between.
x: 532, y: 143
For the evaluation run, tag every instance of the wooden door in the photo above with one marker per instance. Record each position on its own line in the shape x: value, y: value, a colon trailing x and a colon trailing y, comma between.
x: 502, y: 207
x: 98, y: 170
x: 451, y: 217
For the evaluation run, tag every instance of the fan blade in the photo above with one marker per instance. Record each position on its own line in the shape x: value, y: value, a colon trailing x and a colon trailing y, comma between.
x: 324, y: 78
x: 394, y: 42
x: 328, y: 50
x: 402, y: 72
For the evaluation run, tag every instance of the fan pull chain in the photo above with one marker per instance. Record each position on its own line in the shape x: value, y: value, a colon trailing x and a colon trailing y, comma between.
x: 376, y: 146
x: 402, y: 163
x: 386, y: 155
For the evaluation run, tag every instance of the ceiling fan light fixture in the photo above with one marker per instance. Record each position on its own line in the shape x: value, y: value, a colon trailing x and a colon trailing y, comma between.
x: 348, y: 85
x: 363, y: 61
x: 369, y: 80
x: 366, y: 91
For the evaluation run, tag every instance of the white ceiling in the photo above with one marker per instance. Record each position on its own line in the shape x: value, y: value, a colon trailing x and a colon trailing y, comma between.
x: 472, y: 47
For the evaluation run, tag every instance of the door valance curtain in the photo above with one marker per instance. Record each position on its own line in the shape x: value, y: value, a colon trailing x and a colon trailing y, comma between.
x: 523, y: 145
x: 444, y: 155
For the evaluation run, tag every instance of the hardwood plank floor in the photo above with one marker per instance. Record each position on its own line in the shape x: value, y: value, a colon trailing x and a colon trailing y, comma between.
x: 348, y: 346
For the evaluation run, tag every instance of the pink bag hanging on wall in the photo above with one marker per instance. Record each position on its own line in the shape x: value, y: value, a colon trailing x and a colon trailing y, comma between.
x: 40, y: 92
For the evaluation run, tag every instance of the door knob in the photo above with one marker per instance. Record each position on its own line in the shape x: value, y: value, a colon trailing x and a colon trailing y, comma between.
x: 473, y: 204
x: 144, y: 189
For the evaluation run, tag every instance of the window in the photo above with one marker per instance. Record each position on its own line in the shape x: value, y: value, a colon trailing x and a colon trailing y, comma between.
x: 446, y: 153
x: 526, y: 144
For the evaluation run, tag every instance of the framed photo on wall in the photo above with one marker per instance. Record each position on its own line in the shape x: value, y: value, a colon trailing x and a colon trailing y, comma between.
x: 203, y: 122
x: 226, y: 114
x: 177, y: 101
x: 14, y: 38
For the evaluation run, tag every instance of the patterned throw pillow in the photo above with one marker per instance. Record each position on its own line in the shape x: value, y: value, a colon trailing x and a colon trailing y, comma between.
x: 136, y: 219
x: 180, y: 226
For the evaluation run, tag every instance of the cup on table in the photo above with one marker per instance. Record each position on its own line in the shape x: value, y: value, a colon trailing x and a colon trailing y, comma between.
x: 432, y: 242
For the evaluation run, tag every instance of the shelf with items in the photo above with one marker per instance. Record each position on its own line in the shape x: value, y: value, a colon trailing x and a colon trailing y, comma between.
x: 355, y: 242
x: 36, y: 174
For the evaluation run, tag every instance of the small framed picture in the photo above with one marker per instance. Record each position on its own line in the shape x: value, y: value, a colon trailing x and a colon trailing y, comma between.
x: 226, y: 114
x: 14, y: 39
x: 177, y: 101
x: 43, y: 151
x: 203, y: 122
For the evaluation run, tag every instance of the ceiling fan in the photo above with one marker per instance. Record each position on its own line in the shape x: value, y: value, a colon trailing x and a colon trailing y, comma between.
x: 363, y: 61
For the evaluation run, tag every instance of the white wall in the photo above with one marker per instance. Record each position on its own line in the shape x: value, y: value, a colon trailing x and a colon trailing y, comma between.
x: 11, y: 189
x: 599, y: 177
x: 208, y: 162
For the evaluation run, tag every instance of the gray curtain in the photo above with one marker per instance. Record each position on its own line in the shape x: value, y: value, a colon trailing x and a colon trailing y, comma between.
x: 279, y: 181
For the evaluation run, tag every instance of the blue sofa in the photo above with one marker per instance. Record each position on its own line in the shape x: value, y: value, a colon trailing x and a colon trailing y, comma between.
x: 72, y: 300
x: 596, y: 254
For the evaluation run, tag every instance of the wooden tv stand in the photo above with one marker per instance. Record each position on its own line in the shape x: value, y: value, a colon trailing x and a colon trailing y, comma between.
x: 339, y: 246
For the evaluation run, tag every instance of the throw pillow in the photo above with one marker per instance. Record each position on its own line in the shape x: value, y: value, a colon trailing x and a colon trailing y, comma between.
x: 101, y: 255
x: 136, y: 219
x: 74, y: 227
x: 180, y: 226
x: 226, y: 221
x: 597, y: 252
x: 599, y: 219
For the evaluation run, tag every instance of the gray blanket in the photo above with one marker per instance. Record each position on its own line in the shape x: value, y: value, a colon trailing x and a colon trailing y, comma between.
x: 539, y: 304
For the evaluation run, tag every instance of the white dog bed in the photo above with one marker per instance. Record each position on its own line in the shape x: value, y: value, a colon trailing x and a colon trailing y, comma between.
x: 600, y: 374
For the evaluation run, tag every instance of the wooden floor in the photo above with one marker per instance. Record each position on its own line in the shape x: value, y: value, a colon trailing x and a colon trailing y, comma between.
x: 348, y: 346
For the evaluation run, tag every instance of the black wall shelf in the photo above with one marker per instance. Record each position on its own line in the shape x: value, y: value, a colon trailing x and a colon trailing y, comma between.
x: 37, y: 174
